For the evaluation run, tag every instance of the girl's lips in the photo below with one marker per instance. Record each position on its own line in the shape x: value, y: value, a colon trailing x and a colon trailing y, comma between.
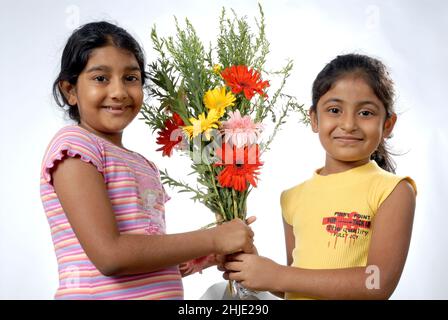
x: 115, y: 110
x: 348, y: 139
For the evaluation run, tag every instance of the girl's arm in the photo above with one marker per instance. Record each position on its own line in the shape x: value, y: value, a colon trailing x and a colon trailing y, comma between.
x: 387, y: 256
x: 83, y: 195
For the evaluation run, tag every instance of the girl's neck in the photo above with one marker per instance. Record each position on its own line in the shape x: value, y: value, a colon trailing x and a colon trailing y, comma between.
x: 333, y: 166
x: 114, y: 138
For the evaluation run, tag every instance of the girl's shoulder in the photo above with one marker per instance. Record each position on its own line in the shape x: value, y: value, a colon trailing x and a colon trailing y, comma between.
x: 292, y: 193
x: 383, y: 183
x: 293, y: 190
x: 72, y: 141
x: 296, y: 189
x: 74, y: 133
x: 76, y: 140
x: 382, y: 179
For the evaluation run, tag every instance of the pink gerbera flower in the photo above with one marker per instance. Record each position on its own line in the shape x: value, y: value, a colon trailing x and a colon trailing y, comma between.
x: 240, y: 131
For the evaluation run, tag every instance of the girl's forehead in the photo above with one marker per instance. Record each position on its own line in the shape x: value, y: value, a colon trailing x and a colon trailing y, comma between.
x: 351, y: 84
x: 350, y: 88
x: 111, y: 56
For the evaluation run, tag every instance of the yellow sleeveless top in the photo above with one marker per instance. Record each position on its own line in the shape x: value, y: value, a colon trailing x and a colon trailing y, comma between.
x: 333, y: 216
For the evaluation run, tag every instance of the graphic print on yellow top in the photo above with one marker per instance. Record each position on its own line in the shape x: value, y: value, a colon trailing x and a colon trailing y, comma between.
x: 333, y: 216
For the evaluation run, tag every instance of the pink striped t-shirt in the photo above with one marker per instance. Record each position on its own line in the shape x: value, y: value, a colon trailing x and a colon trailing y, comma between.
x: 137, y: 197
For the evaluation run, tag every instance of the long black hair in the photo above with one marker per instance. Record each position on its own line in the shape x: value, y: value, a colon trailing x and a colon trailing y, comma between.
x: 377, y: 77
x: 77, y: 51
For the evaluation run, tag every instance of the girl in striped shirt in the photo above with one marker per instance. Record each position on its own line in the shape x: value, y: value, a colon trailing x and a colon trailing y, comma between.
x: 105, y: 203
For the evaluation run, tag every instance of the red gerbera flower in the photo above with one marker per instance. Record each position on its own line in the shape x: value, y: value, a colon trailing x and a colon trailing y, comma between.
x: 241, y: 166
x: 240, y: 78
x: 170, y: 136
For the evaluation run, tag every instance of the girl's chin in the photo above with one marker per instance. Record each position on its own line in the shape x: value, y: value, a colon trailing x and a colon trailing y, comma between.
x: 118, y: 122
x: 353, y: 160
x: 350, y: 157
x: 112, y: 127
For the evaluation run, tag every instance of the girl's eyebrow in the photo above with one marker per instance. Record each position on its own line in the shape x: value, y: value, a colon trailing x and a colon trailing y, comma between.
x: 359, y: 104
x: 98, y: 68
x: 132, y: 68
x: 333, y: 100
x: 108, y: 69
x: 362, y: 103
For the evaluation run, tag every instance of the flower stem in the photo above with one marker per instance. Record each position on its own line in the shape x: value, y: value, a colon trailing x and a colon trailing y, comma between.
x: 223, y: 213
x: 235, y: 205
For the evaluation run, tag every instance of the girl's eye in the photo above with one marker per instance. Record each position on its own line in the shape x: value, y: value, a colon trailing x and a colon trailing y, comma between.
x: 132, y: 78
x: 333, y: 110
x: 100, y: 78
x: 366, y: 113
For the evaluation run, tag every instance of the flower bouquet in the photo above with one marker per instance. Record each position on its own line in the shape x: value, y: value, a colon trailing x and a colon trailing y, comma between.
x: 214, y: 106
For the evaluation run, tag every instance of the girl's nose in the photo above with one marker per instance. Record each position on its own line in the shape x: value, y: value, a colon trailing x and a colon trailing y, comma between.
x: 117, y: 90
x: 348, y: 122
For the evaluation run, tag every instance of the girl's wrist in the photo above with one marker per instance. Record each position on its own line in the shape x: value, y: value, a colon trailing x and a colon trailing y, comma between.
x: 210, y: 240
x: 279, y: 277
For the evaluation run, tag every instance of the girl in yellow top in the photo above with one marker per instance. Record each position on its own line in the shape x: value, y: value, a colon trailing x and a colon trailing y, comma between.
x: 348, y: 228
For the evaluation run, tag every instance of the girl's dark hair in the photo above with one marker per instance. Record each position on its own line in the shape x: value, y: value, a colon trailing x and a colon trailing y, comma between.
x: 77, y: 51
x: 377, y: 77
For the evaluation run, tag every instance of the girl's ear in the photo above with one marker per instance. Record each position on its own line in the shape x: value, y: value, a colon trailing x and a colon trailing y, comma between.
x: 69, y: 92
x: 389, y: 125
x: 313, y: 118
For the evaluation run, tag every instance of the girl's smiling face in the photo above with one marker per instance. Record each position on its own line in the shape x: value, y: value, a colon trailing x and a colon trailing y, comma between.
x: 351, y: 122
x: 108, y: 92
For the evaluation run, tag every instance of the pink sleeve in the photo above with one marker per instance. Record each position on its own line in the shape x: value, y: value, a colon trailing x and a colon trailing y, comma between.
x: 71, y: 142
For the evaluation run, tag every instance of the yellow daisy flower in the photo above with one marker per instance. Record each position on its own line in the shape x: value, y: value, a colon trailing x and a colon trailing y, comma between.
x: 203, y: 124
x: 217, y: 99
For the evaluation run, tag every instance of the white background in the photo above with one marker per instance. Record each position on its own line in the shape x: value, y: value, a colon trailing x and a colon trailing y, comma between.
x: 409, y: 36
